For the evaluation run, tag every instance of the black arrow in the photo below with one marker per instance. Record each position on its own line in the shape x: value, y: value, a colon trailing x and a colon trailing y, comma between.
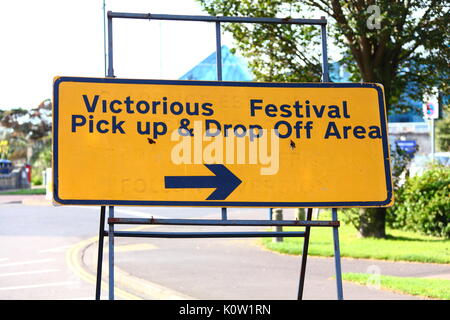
x: 223, y: 180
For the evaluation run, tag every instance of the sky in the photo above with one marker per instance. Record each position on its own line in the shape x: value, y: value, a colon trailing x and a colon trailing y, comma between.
x: 43, y: 39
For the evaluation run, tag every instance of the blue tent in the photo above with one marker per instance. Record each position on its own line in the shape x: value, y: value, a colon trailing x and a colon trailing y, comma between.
x: 233, y: 68
x: 5, y: 166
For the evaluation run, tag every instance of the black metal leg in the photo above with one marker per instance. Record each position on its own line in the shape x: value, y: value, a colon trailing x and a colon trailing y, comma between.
x: 304, y: 256
x: 101, y: 236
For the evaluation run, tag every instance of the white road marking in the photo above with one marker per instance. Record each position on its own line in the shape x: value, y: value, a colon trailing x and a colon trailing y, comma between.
x: 3, y: 259
x: 25, y: 262
x: 27, y: 272
x: 50, y: 284
x: 63, y: 248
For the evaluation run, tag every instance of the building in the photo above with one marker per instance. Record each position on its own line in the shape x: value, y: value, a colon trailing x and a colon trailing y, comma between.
x: 410, y: 127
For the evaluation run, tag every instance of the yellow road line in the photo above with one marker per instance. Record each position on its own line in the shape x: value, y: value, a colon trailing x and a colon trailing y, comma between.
x: 142, y: 286
x: 72, y: 260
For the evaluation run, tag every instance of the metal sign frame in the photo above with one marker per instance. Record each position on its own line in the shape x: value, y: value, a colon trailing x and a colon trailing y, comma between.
x: 308, y: 223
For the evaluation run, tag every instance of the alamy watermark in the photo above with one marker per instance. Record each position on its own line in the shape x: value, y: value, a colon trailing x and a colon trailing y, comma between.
x: 255, y: 146
x: 374, y: 20
x: 374, y: 280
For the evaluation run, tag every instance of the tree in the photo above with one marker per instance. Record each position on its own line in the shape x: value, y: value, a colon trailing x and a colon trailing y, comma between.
x: 407, y: 43
x: 395, y: 43
x: 32, y: 124
x: 27, y: 128
x: 4, y: 149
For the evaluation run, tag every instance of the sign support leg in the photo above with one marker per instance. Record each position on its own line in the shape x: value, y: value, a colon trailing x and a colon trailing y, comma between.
x: 337, y: 257
x: 111, y: 254
x: 304, y: 256
x: 101, y: 237
x: 219, y: 78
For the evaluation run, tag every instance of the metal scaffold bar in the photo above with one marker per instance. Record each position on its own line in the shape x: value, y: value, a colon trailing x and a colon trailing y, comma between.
x: 173, y: 17
x: 260, y: 234
x: 210, y: 222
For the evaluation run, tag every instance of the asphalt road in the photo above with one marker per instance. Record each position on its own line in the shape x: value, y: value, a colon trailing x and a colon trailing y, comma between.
x: 50, y: 252
x: 241, y: 269
x: 34, y: 242
x: 36, y: 245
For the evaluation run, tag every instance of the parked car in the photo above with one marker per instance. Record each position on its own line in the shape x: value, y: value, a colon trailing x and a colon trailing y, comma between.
x: 420, y: 162
x: 6, y: 166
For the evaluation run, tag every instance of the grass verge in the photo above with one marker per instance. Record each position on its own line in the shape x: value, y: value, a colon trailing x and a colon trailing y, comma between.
x: 24, y: 191
x: 398, y: 246
x: 430, y: 288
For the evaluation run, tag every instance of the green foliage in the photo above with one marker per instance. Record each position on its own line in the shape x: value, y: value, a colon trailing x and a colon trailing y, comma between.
x: 32, y: 124
x: 36, y: 180
x: 431, y: 288
x: 284, y: 53
x: 399, y: 245
x: 410, y: 43
x: 24, y: 191
x: 17, y: 147
x: 300, y: 214
x: 407, y: 43
x: 4, y: 149
x: 351, y: 216
x: 423, y: 203
x: 24, y: 128
x: 42, y: 159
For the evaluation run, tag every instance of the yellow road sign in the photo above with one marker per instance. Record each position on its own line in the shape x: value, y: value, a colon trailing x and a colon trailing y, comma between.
x: 225, y: 144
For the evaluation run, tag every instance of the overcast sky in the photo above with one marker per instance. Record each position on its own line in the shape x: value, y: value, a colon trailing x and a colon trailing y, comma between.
x: 41, y: 39
x: 46, y: 38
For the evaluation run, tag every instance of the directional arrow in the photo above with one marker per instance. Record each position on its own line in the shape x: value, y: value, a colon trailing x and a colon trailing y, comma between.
x: 223, y: 180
